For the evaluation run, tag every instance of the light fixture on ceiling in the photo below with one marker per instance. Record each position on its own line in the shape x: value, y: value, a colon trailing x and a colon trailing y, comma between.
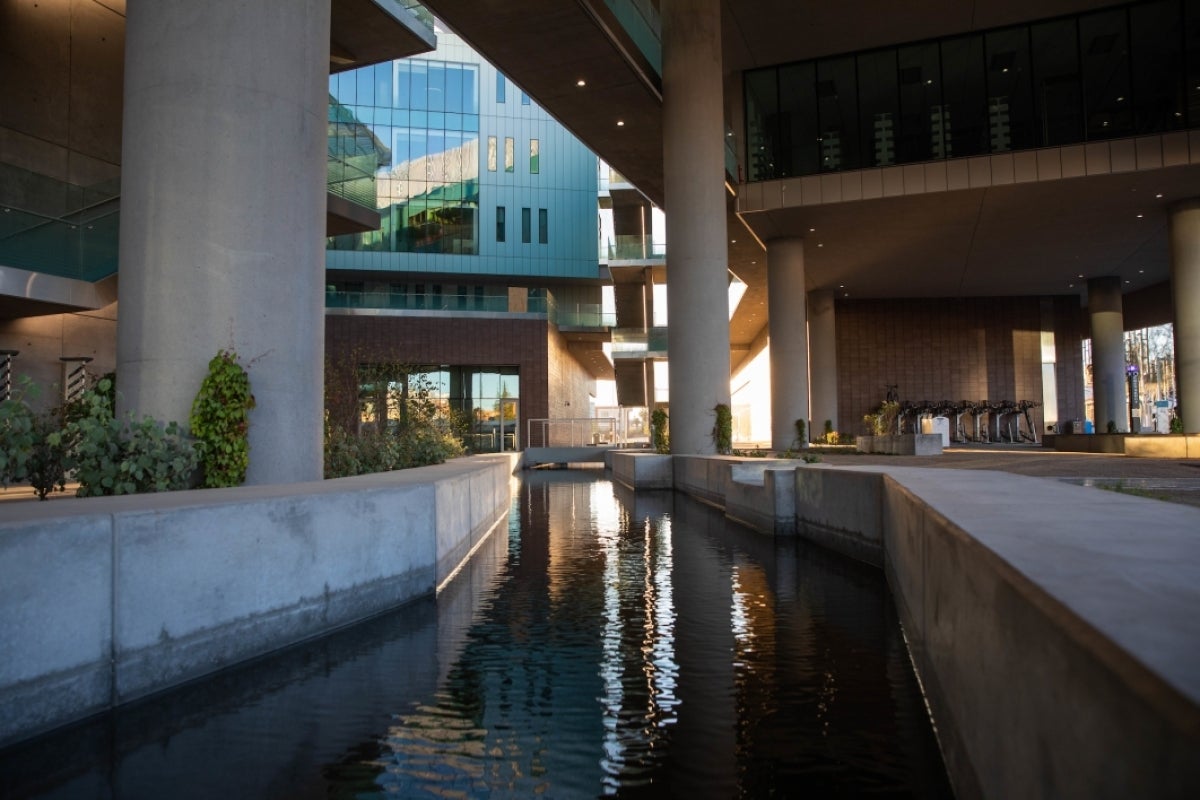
x: 1140, y: 216
x: 620, y: 123
x: 1159, y: 195
x: 1081, y: 274
x: 581, y: 82
x: 820, y: 244
x: 812, y: 230
x: 1141, y: 272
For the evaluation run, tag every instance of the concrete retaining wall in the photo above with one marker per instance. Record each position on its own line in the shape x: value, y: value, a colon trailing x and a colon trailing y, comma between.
x: 108, y: 599
x: 1149, y: 445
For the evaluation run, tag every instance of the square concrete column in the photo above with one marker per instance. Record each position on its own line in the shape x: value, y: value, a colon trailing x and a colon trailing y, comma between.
x: 223, y: 215
x: 1108, y: 353
x: 694, y: 178
x: 822, y: 350
x: 1185, y: 293
x: 788, y: 321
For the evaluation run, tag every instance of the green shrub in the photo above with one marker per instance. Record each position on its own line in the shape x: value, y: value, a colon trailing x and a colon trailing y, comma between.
x: 723, y: 428
x: 660, y: 434
x: 33, y: 445
x: 220, y: 421
x: 112, y: 456
x: 801, y: 434
x: 1176, y: 425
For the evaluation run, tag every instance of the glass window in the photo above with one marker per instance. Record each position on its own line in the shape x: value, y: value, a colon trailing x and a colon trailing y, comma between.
x: 510, y: 155
x: 365, y: 94
x: 878, y: 95
x: 1157, y: 67
x: 436, y: 86
x: 921, y: 133
x: 500, y: 223
x: 964, y: 97
x: 837, y: 112
x: 1104, y: 45
x: 543, y: 226
x: 1010, y: 104
x: 470, y: 94
x: 420, y: 85
x: 524, y: 99
x: 346, y: 89
x: 762, y: 118
x: 526, y: 226
x: 491, y: 153
x: 1056, y: 88
x: 383, y: 84
x: 798, y: 150
x: 402, y: 92
x: 454, y: 88
x: 535, y: 165
x: 501, y: 81
x: 1192, y: 54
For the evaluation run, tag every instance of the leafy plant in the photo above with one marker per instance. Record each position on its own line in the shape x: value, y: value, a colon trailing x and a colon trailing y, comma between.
x: 801, y: 434
x: 723, y: 428
x: 112, y: 456
x: 1110, y: 427
x: 220, y: 421
x: 811, y: 458
x: 882, y: 420
x: 1176, y: 424
x: 660, y: 435
x: 829, y: 436
x: 33, y: 446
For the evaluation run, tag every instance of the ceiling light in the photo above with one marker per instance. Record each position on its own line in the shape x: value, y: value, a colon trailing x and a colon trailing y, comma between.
x: 733, y: 241
x: 821, y: 244
x: 1140, y: 216
x: 841, y: 286
x: 1159, y: 195
x: 1005, y: 69
x: 753, y: 262
x: 1081, y: 274
x: 812, y: 230
x: 929, y: 82
x: 621, y: 123
x: 1070, y: 286
x: 1127, y: 281
x: 847, y: 294
x: 1120, y: 99
x: 1141, y: 271
x: 581, y: 82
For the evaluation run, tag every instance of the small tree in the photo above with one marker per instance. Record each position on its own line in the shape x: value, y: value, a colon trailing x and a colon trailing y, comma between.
x: 723, y: 428
x: 801, y: 434
x: 220, y: 421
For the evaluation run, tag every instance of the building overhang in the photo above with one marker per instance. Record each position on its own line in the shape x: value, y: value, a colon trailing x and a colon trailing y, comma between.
x: 364, y: 32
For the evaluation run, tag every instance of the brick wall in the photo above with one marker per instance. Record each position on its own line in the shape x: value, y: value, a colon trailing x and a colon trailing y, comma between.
x: 953, y: 349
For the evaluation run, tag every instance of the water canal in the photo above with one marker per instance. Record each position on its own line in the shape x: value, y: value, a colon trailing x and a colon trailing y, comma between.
x: 606, y: 644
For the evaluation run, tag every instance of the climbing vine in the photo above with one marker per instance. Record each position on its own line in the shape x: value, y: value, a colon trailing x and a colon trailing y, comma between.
x: 723, y: 428
x: 220, y: 421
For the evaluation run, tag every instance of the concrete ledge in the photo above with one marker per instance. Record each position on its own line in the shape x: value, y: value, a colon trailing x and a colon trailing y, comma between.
x: 103, y: 600
x: 641, y: 470
x: 902, y: 444
x: 762, y: 495
x: 1170, y: 445
x: 841, y: 510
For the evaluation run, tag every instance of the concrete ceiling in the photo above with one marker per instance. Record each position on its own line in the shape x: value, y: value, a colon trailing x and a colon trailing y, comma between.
x: 363, y: 32
x: 1006, y: 240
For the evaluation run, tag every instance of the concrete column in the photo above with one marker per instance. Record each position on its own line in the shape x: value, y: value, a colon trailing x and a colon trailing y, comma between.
x: 1108, y: 353
x: 788, y: 320
x: 223, y: 214
x: 693, y: 174
x: 822, y: 348
x: 1185, y: 291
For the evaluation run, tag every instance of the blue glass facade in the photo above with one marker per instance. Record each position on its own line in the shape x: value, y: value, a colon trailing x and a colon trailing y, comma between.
x: 454, y: 178
x: 1123, y: 71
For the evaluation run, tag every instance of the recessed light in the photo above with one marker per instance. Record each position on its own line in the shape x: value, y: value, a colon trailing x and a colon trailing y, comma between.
x: 1005, y: 69
x: 1127, y: 281
x: 1104, y: 124
x: 812, y: 230
x: 1120, y: 99
x: 841, y: 286
x: 847, y: 294
x: 1159, y: 195
x: 1140, y: 216
x: 929, y: 82
x: 1081, y: 274
x: 820, y: 244
x: 1141, y: 272
x: 620, y: 123
x: 1070, y: 286
x: 753, y: 262
x: 733, y: 241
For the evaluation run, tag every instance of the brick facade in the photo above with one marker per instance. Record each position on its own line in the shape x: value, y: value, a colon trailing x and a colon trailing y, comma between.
x: 553, y: 383
x: 954, y: 349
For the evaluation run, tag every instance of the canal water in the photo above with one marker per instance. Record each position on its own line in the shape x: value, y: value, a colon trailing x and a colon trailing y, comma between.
x: 605, y: 644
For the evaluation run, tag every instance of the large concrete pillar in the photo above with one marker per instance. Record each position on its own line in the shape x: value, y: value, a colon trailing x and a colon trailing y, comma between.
x: 223, y: 214
x: 1185, y: 291
x: 694, y: 177
x: 822, y: 348
x: 1108, y: 353
x: 788, y: 320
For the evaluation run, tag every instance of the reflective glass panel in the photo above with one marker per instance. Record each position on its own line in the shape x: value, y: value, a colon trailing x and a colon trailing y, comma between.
x: 837, y: 111
x: 1104, y: 44
x: 762, y: 120
x: 921, y: 133
x: 1010, y: 103
x: 964, y: 96
x: 1056, y: 86
x: 1158, y: 67
x: 798, y: 149
x: 878, y: 98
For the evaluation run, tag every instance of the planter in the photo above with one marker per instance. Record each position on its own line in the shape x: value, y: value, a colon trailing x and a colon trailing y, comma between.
x: 903, y: 444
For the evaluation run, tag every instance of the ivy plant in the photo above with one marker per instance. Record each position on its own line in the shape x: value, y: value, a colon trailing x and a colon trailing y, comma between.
x: 220, y: 421
x: 723, y: 429
x: 659, y: 432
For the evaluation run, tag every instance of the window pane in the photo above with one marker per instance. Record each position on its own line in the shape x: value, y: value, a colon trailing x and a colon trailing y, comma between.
x: 534, y: 157
x: 1157, y: 67
x: 454, y: 88
x: 470, y: 87
x: 1010, y: 104
x: 526, y: 226
x: 420, y: 86
x: 1192, y: 48
x: 877, y: 101
x: 920, y: 134
x: 798, y: 151
x: 762, y: 118
x: 500, y: 84
x: 509, y: 154
x: 837, y: 110
x: 964, y: 96
x: 543, y: 226
x: 436, y: 79
x: 524, y: 99
x: 403, y: 94
x: 491, y: 153
x: 1056, y: 82
x: 1104, y: 43
x: 500, y: 223
x: 383, y: 84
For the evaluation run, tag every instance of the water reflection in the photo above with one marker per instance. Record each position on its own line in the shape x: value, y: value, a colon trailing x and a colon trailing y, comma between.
x: 610, y: 644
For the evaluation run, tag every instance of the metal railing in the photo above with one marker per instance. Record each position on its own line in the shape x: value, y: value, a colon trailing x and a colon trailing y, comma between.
x: 574, y: 432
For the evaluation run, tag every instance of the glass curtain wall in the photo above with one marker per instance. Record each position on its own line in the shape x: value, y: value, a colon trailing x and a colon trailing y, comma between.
x: 424, y: 115
x: 1129, y: 70
x: 486, y: 401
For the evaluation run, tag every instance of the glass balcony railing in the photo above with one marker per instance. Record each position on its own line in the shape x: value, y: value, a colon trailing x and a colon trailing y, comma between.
x: 581, y: 315
x: 641, y: 22
x: 58, y: 228
x: 633, y: 248
x: 638, y: 343
x: 413, y: 7
x: 396, y: 301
